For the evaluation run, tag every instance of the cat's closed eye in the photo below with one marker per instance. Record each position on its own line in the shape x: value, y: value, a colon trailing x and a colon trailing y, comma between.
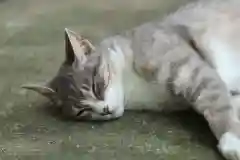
x: 85, y: 87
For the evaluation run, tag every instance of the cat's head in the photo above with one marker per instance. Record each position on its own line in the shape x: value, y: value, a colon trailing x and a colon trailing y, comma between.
x: 80, y: 78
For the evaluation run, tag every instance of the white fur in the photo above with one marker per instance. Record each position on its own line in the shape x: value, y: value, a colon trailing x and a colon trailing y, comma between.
x: 114, y: 94
x: 225, y: 56
x: 227, y: 62
x: 229, y: 145
x: 139, y: 93
x: 126, y: 89
x: 132, y: 90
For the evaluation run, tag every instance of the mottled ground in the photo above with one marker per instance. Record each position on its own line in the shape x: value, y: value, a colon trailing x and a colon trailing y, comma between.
x: 31, y: 49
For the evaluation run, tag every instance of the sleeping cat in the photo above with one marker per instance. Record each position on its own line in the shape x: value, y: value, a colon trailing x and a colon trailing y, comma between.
x: 189, y: 58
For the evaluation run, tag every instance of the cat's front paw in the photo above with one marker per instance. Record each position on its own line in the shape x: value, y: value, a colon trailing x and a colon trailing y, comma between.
x: 229, y: 146
x: 106, y: 110
x: 99, y: 107
x: 103, y: 109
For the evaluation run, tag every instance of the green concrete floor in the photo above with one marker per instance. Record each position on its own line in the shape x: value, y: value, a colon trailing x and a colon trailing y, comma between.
x: 31, y: 49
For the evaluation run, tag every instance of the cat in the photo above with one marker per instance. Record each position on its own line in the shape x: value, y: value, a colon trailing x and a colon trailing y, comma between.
x: 189, y: 58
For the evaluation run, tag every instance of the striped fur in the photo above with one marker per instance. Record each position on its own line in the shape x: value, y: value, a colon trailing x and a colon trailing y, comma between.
x: 189, y: 57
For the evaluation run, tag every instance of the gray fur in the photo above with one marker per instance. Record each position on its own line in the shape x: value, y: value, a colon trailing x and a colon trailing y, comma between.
x: 167, y: 57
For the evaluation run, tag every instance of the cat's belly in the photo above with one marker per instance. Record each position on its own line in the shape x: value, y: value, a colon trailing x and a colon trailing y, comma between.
x: 221, y: 43
x: 227, y: 62
x: 143, y: 95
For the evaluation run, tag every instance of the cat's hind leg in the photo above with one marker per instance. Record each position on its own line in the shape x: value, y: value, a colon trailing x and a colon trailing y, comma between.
x: 202, y: 86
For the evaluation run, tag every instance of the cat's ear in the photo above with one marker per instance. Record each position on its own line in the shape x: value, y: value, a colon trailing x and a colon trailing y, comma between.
x: 41, y: 89
x: 77, y: 48
x: 45, y: 91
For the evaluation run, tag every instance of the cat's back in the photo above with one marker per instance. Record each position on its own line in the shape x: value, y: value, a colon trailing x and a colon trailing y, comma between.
x: 152, y: 41
x: 198, y: 15
x: 203, y: 12
x: 214, y: 26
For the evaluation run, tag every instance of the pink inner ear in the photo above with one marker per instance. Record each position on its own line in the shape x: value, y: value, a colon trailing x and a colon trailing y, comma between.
x: 88, y: 46
x: 77, y: 45
x: 77, y: 49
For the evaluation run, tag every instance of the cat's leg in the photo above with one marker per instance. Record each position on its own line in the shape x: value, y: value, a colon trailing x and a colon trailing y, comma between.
x: 94, y: 116
x: 230, y: 141
x: 201, y: 86
x: 112, y: 106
